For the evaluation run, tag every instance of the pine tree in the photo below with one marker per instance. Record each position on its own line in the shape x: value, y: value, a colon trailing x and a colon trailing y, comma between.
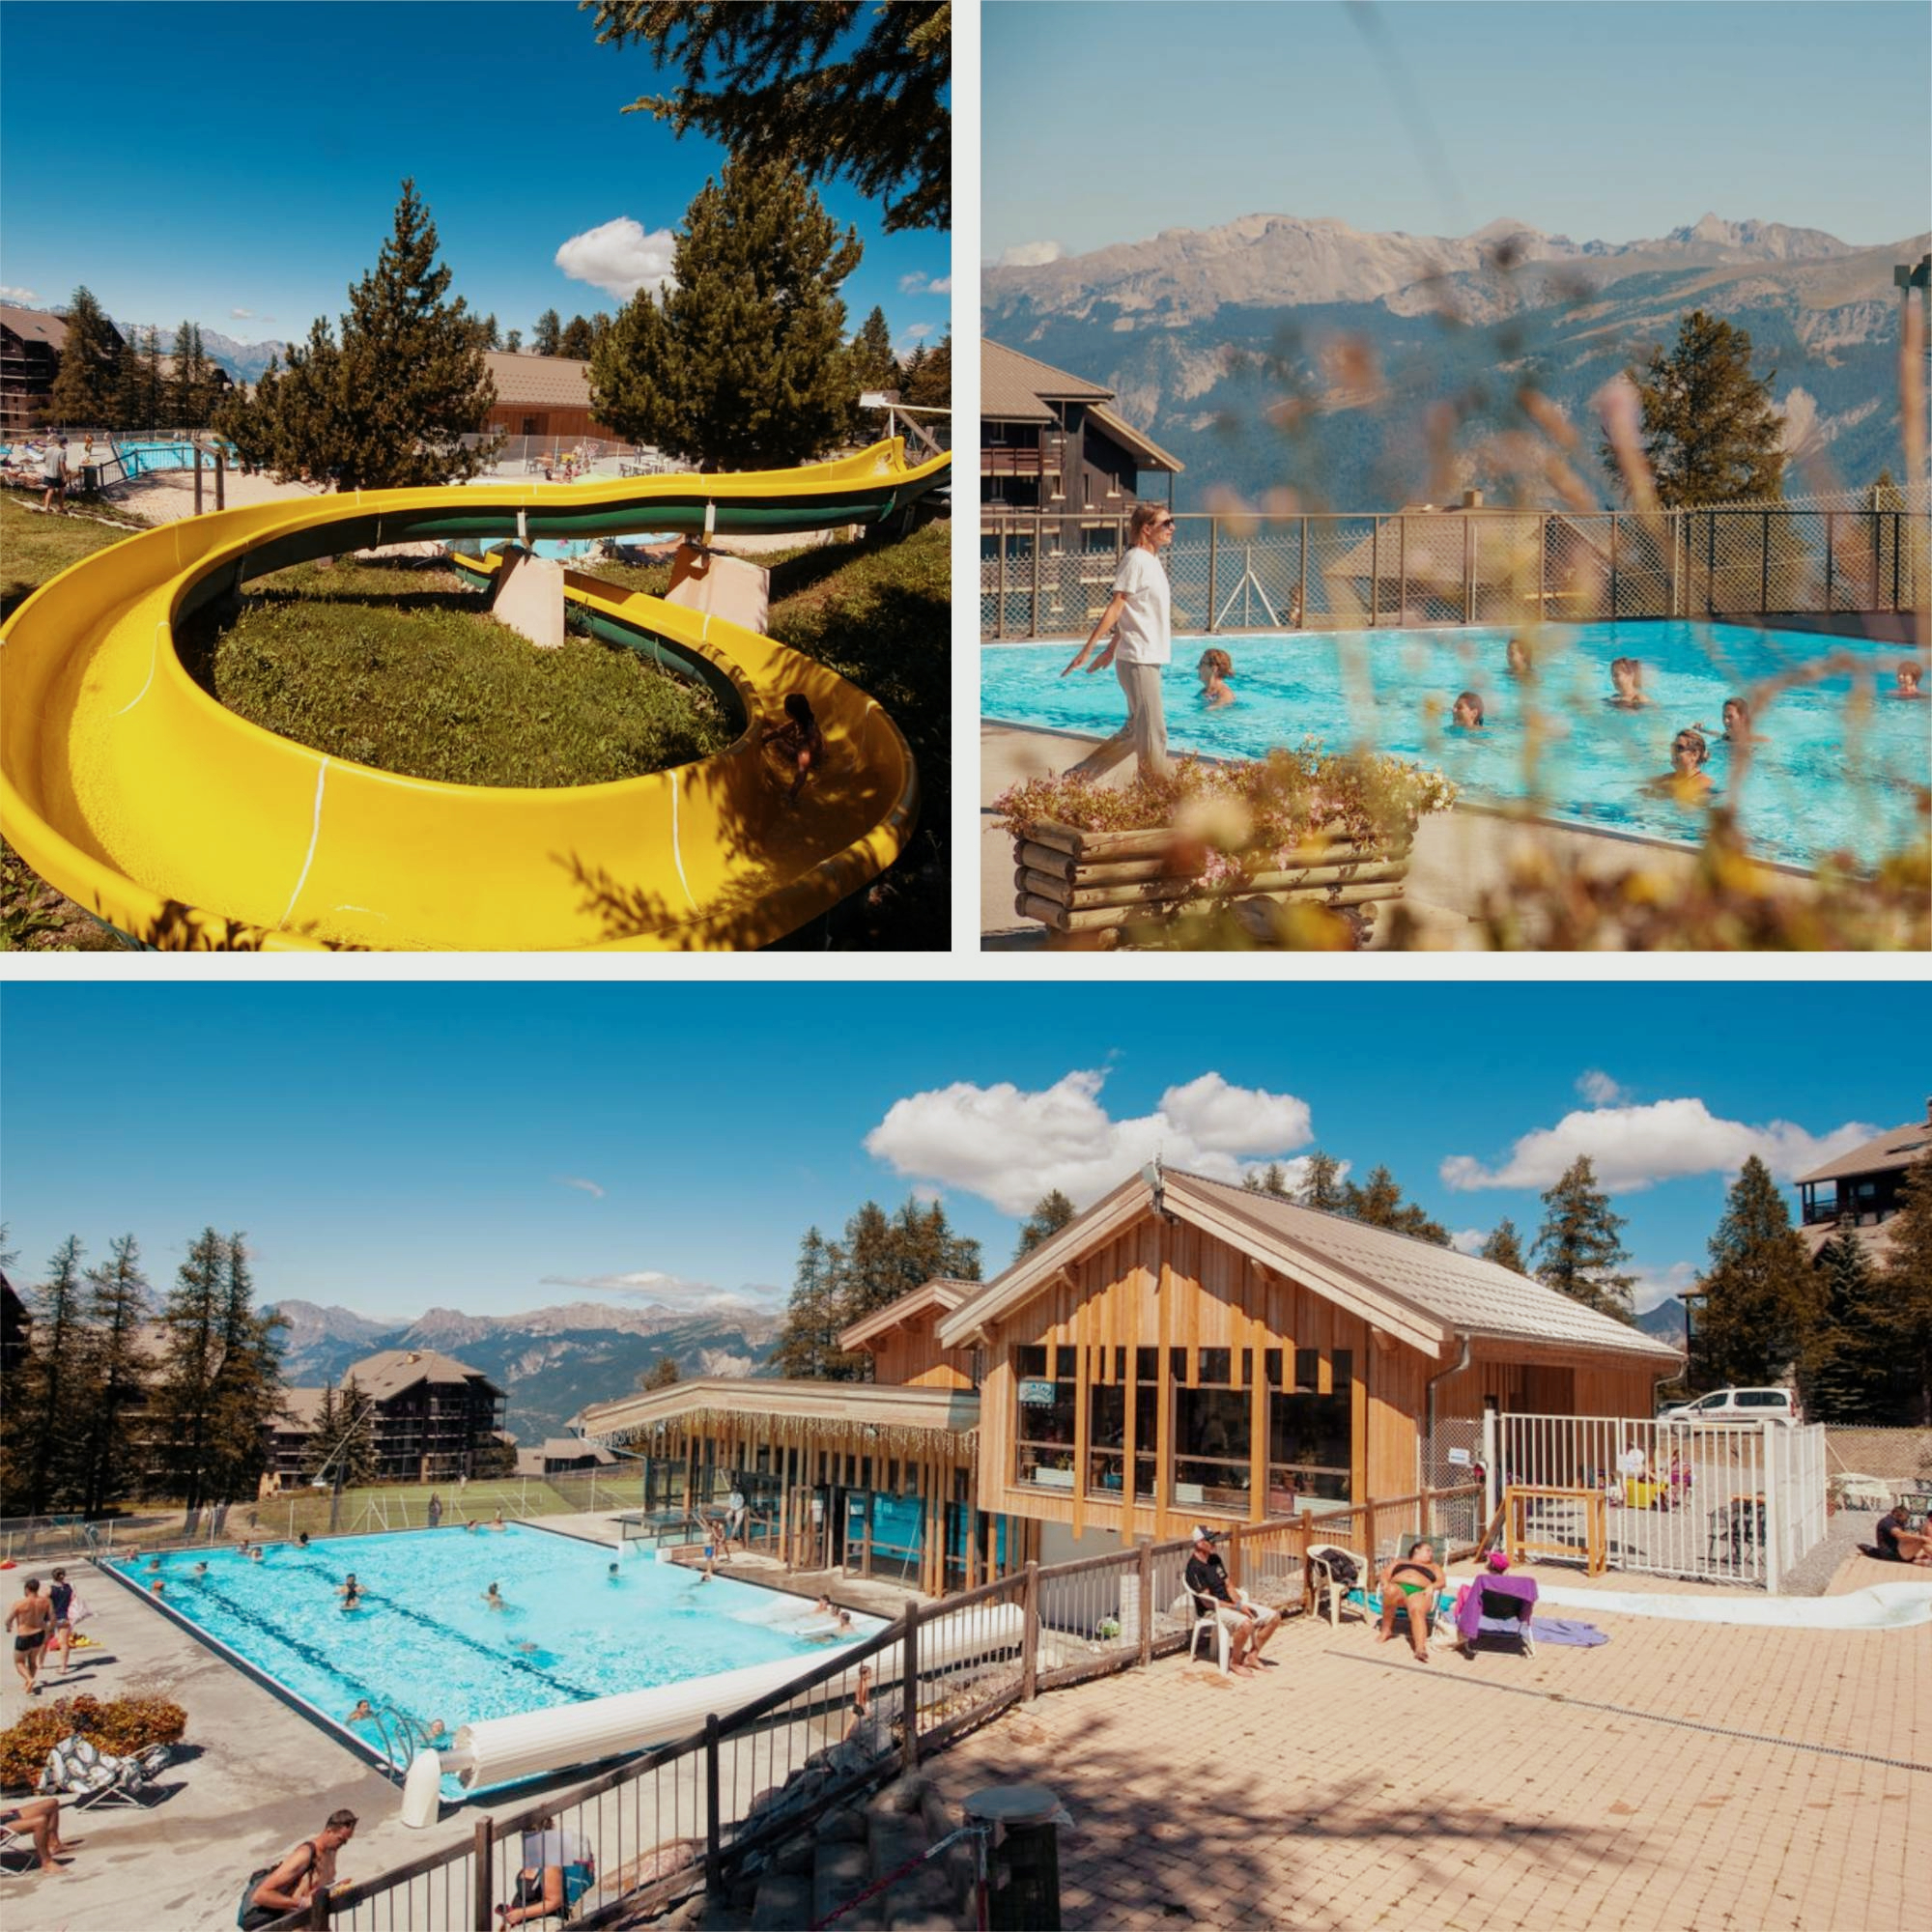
x: 83, y: 395
x: 930, y: 386
x: 1849, y: 1368
x: 512, y: 343
x: 1051, y: 1212
x: 117, y: 1306
x: 184, y: 1397
x: 341, y: 1451
x: 807, y: 1339
x: 662, y: 1374
x: 741, y: 364
x: 780, y: 83
x: 493, y: 336
x: 1710, y: 433
x: 1580, y: 1244
x: 1272, y: 1180
x: 1505, y: 1248
x: 150, y: 354
x: 1908, y: 1284
x: 1378, y: 1204
x: 872, y: 367
x: 130, y: 387
x: 1321, y: 1186
x: 578, y: 339
x: 49, y: 1394
x: 388, y: 406
x: 248, y: 1382
x: 184, y: 392
x: 546, y: 338
x: 1760, y: 1296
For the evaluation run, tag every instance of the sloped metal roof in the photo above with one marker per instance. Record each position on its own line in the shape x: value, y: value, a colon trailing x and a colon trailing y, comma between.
x: 1014, y: 387
x: 1899, y: 1148
x: 539, y: 381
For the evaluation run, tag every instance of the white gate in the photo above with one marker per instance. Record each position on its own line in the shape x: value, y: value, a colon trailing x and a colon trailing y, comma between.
x: 1740, y: 1503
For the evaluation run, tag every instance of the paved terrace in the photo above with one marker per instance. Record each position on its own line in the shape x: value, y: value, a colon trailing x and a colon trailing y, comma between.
x: 1683, y: 1777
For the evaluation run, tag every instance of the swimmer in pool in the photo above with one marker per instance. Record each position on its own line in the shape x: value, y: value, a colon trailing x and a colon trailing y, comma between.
x: 1910, y: 676
x: 823, y: 1606
x: 362, y: 1714
x: 612, y: 1572
x: 493, y: 1598
x: 350, y: 1591
x: 1737, y: 721
x: 201, y: 1569
x: 1516, y: 660
x: 1466, y: 713
x: 1627, y: 682
x: 255, y: 1555
x: 1215, y: 670
x: 1687, y: 781
x: 843, y: 1621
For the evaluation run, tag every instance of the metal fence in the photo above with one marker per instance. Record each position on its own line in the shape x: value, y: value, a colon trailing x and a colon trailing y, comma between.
x: 1720, y: 1503
x: 1051, y: 576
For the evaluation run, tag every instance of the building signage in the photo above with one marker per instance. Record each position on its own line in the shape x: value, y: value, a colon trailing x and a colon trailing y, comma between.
x: 1037, y: 1395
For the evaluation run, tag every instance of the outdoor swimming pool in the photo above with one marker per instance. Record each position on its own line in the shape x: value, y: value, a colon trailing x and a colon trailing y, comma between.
x: 1833, y: 771
x: 425, y: 1642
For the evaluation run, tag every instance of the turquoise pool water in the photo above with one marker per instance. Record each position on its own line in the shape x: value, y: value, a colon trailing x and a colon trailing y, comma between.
x: 425, y: 1641
x: 1835, y: 768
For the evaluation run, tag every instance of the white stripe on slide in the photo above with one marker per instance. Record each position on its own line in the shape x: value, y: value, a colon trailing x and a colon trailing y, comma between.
x: 676, y: 849
x: 314, y: 835
x: 154, y: 657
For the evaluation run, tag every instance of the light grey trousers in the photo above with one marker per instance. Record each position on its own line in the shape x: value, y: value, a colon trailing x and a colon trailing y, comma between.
x: 1144, y: 734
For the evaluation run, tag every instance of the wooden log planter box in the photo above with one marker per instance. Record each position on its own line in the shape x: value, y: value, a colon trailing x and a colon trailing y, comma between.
x: 1075, y: 881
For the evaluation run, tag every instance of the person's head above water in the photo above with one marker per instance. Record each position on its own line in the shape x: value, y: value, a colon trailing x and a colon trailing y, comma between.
x: 1910, y: 674
x: 1467, y: 711
x: 1688, y: 752
x: 1627, y: 677
x: 1736, y: 718
x: 1214, y: 662
x: 1518, y: 659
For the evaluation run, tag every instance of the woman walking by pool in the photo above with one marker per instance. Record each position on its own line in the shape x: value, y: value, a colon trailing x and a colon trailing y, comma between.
x: 1139, y: 617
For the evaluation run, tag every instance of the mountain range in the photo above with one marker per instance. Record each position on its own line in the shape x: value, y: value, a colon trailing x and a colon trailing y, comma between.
x: 550, y: 1362
x: 1214, y: 339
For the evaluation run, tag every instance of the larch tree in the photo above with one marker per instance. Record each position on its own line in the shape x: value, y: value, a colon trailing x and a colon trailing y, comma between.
x: 547, y: 337
x: 740, y: 365
x: 512, y: 343
x: 49, y: 1394
x: 1504, y: 1247
x: 1271, y: 1180
x: 84, y: 389
x: 1908, y: 1283
x: 1322, y: 1187
x: 1378, y: 1204
x: 807, y: 1339
x: 663, y: 1372
x: 828, y: 90
x: 388, y: 405
x: 1051, y: 1212
x: 248, y: 1381
x: 1711, y: 430
x: 185, y: 1393
x: 342, y: 1450
x: 578, y: 339
x: 1580, y: 1249
x: 117, y: 1307
x: 1761, y: 1298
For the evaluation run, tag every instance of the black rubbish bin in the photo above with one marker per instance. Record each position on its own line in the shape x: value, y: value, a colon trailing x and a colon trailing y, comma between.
x: 1023, y: 1856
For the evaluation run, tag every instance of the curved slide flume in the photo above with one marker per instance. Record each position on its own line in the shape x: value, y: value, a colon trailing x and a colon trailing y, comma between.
x: 128, y: 786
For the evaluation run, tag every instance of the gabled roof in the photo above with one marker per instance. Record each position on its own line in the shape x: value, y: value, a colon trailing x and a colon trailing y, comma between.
x: 1420, y: 1293
x: 1016, y: 389
x: 300, y: 1413
x: 941, y: 1294
x: 33, y: 324
x: 1147, y: 453
x: 542, y: 381
x: 392, y: 1371
x: 1888, y: 1153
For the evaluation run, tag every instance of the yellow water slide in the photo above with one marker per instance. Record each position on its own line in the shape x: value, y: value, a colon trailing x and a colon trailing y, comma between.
x: 127, y: 785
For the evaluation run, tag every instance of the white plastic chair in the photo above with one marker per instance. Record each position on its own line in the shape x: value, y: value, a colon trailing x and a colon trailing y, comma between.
x: 1208, y: 1617
x: 1330, y: 1591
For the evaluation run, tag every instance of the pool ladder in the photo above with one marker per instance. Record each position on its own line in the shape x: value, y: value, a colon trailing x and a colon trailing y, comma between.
x: 399, y: 1727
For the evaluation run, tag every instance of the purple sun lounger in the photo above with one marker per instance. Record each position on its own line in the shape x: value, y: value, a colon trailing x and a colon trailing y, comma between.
x: 1495, y: 1607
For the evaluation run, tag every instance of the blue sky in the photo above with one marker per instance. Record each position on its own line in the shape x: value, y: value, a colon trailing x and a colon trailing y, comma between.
x: 239, y: 165
x: 502, y: 1148
x: 1610, y: 120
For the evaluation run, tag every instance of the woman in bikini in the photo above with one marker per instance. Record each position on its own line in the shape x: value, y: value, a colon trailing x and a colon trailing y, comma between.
x: 1405, y: 1580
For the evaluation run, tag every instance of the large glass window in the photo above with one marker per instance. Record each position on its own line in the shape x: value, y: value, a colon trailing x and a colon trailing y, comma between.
x: 1045, y: 1411
x: 1212, y: 1443
x: 1308, y: 1449
x: 1107, y: 1441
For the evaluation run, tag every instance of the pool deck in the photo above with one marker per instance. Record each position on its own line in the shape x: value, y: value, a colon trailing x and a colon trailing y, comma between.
x: 1459, y: 856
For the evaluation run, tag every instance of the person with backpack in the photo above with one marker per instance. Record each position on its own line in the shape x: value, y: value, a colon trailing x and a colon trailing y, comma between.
x: 276, y: 1891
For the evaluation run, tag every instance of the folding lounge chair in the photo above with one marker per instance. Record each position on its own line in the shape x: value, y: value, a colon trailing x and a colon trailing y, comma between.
x: 94, y: 1777
x: 1499, y: 1606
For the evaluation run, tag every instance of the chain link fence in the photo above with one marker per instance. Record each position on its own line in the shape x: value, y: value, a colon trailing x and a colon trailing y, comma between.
x: 1052, y: 575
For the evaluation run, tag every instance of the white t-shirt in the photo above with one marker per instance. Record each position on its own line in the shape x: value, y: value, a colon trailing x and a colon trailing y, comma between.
x: 1143, y: 635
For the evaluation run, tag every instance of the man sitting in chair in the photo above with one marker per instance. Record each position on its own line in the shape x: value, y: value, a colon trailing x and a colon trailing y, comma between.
x: 1413, y: 1583
x: 1249, y: 1625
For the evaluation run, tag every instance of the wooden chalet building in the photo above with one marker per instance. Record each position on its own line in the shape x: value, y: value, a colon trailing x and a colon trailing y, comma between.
x: 1863, y: 1189
x: 32, y: 343
x: 432, y: 1418
x: 1183, y: 1350
x: 543, y: 396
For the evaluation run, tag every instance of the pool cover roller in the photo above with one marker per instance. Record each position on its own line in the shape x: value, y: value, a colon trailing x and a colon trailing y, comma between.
x: 131, y: 788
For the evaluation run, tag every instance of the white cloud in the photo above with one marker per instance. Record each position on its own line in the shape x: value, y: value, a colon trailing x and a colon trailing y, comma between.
x: 917, y: 284
x: 1633, y: 1148
x: 1468, y: 1240
x: 620, y: 258
x: 919, y: 331
x: 1599, y: 1089
x: 669, y: 1291
x: 926, y: 1193
x: 1030, y: 255
x: 1009, y: 1145
x: 576, y: 1180
x: 241, y: 315
x: 7, y: 292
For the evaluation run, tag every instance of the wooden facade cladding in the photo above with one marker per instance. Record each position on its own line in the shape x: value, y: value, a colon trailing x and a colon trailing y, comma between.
x: 909, y: 1357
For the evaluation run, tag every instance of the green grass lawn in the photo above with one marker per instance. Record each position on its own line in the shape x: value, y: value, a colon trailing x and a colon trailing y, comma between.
x: 397, y: 666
